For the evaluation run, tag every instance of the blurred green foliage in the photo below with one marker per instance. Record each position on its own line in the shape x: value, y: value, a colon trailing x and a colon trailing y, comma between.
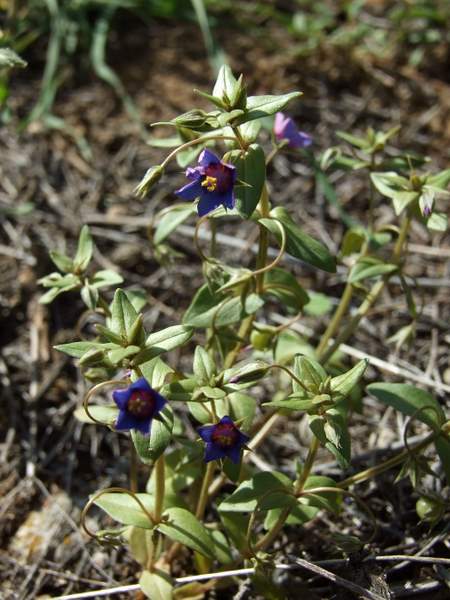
x: 76, y: 32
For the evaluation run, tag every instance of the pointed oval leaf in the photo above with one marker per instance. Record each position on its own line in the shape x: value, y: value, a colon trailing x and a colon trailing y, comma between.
x: 251, y: 171
x: 182, y: 526
x: 298, y: 243
x: 409, y: 400
x: 156, y: 585
x: 84, y: 250
x: 343, y: 384
x: 150, y: 447
x: 170, y: 221
x: 124, y: 508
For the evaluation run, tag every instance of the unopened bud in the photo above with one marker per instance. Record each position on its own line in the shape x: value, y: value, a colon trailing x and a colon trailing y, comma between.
x: 152, y: 176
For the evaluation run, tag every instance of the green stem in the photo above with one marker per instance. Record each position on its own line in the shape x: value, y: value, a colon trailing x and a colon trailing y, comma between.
x: 386, y: 465
x: 200, y: 140
x: 239, y: 137
x: 203, y: 498
x: 336, y: 320
x: 371, y: 297
x: 247, y: 323
x: 159, y: 487
x: 309, y: 462
x: 133, y: 469
x: 267, y: 539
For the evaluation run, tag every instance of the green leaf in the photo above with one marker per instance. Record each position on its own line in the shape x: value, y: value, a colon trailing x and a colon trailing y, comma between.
x: 182, y: 526
x: 236, y: 525
x: 284, y: 286
x: 358, y: 142
x: 170, y: 221
x: 150, y: 179
x: 167, y: 339
x: 309, y: 371
x: 440, y: 180
x: 322, y: 500
x: 396, y: 188
x: 105, y: 414
x: 204, y: 368
x: 332, y: 432
x: 124, y: 508
x: 84, y: 250
x: 252, y: 493
x: 437, y: 221
x: 222, y: 547
x: 352, y: 242
x: 157, y: 585
x: 243, y: 409
x: 318, y: 305
x: 155, y: 372
x: 119, y: 354
x: 409, y: 400
x: 214, y: 393
x: 89, y: 295
x: 10, y: 59
x: 226, y: 83
x: 123, y: 314
x: 77, y: 349
x: 150, y: 447
x: 63, y: 262
x: 251, y: 170
x: 180, y: 391
x: 292, y: 403
x: 248, y: 373
x: 443, y: 449
x: 367, y: 268
x: 300, y: 244
x: 207, y: 308
x: 263, y: 106
x: 105, y: 278
x: 343, y: 384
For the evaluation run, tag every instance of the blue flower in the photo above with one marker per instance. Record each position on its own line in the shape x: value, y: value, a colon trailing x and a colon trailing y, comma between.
x: 223, y: 440
x: 285, y: 129
x: 138, y: 405
x: 212, y: 181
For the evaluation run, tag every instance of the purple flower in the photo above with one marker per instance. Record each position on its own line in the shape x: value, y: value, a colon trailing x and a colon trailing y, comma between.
x: 223, y: 440
x: 138, y: 405
x: 285, y: 129
x: 212, y: 181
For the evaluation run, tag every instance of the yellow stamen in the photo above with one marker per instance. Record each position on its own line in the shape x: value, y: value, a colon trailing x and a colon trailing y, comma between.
x: 210, y: 183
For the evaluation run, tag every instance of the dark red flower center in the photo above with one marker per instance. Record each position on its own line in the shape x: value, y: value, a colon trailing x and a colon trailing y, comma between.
x: 141, y: 404
x: 218, y: 178
x: 225, y: 435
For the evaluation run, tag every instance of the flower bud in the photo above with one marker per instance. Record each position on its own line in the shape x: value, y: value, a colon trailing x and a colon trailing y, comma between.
x: 152, y: 176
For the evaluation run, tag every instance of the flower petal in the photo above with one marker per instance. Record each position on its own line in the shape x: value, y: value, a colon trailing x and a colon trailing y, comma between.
x: 195, y: 173
x: 126, y: 421
x: 228, y: 199
x: 121, y: 397
x: 234, y: 454
x: 207, y: 157
x: 190, y: 191
x: 141, y: 384
x: 160, y: 402
x: 208, y: 202
x: 303, y: 140
x: 144, y: 426
x: 280, y: 121
x: 205, y: 432
x: 213, y: 452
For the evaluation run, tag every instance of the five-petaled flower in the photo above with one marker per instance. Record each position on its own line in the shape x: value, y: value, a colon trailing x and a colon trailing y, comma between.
x: 285, y: 129
x: 223, y: 439
x: 212, y: 181
x: 138, y: 405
